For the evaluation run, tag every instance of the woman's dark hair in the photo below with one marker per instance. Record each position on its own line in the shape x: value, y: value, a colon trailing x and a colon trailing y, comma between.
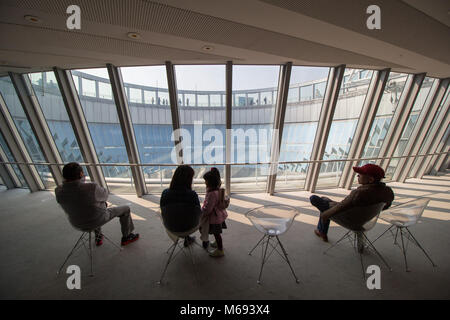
x: 182, y: 178
x: 72, y: 171
x: 212, y: 179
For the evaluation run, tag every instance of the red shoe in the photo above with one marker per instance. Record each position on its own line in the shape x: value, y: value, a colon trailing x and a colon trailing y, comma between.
x: 131, y: 238
x: 99, y: 240
x: 321, y: 235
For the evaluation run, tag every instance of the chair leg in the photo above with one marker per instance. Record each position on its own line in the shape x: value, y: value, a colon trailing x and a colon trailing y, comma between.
x: 418, y: 244
x: 287, y: 260
x: 383, y: 233
x: 118, y: 247
x: 250, y: 253
x: 263, y: 260
x: 343, y: 237
x: 91, y: 254
x: 168, y: 261
x: 376, y: 251
x: 71, y: 252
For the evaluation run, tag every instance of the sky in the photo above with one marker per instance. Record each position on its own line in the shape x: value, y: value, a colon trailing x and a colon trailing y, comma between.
x: 212, y: 77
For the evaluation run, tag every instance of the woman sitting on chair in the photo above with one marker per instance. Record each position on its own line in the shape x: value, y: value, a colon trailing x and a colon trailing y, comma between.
x: 180, y: 193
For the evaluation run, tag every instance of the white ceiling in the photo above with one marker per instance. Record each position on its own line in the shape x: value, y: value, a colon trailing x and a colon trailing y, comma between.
x: 414, y: 36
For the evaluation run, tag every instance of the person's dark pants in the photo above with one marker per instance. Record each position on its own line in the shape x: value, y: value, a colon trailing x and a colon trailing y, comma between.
x: 322, y: 205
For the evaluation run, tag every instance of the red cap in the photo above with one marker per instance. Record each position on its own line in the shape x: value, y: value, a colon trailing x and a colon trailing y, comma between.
x: 371, y: 170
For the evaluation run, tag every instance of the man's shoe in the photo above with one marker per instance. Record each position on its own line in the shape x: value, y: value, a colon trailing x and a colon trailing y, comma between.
x: 321, y: 235
x: 99, y: 240
x: 188, y: 241
x: 217, y: 253
x: 129, y: 239
x: 205, y: 244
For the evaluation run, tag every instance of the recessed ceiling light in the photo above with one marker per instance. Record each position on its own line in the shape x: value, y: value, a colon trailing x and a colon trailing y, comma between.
x: 32, y: 19
x: 134, y: 35
x: 208, y: 48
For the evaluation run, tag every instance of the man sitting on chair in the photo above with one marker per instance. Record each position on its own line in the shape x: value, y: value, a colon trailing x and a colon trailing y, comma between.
x: 371, y: 191
x: 85, y: 204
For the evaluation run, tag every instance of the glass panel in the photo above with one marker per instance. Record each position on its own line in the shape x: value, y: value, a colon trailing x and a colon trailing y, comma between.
x: 88, y: 87
x: 251, y: 136
x: 104, y: 90
x: 10, y: 158
x: 306, y: 93
x: 347, y: 113
x: 23, y: 126
x: 300, y: 127
x: 103, y: 123
x: 55, y: 113
x: 427, y: 137
x: 135, y: 95
x: 388, y: 104
x: 410, y: 124
x: 203, y: 130
x: 152, y: 125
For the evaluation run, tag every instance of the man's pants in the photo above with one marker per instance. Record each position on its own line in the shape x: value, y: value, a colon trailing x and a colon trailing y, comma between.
x: 124, y: 215
x: 323, y: 205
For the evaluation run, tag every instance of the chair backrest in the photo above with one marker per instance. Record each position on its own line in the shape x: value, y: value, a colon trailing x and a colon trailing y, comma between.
x: 272, y: 219
x: 180, y: 217
x: 408, y: 213
x: 361, y: 218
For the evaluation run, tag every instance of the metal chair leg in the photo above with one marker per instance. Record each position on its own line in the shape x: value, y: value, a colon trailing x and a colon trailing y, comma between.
x: 118, y: 247
x: 376, y: 251
x: 287, y: 260
x: 388, y: 229
x: 343, y: 237
x: 168, y: 261
x: 250, y: 253
x: 263, y: 261
x: 418, y: 244
x: 71, y: 252
x: 91, y: 255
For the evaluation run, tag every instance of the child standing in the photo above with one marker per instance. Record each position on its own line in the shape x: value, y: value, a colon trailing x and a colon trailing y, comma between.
x: 214, y: 212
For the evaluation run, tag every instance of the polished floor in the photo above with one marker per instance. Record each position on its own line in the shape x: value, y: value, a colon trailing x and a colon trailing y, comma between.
x: 35, y: 237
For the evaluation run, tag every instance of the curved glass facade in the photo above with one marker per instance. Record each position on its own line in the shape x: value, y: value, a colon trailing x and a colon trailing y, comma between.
x: 201, y: 95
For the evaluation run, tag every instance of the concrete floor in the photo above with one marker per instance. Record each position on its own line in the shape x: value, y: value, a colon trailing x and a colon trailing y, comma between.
x: 35, y: 237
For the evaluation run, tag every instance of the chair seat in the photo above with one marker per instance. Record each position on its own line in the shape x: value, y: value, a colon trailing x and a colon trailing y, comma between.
x: 398, y: 220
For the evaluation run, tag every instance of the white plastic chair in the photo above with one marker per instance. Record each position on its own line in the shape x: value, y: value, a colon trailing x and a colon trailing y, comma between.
x: 356, y: 231
x: 86, y: 240
x: 272, y: 221
x: 403, y: 216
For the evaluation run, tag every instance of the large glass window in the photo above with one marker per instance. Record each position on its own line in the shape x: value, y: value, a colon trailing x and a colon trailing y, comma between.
x: 346, y: 115
x: 152, y: 125
x: 427, y: 137
x: 23, y: 126
x: 55, y: 113
x: 103, y: 123
x: 410, y: 124
x: 10, y: 158
x: 202, y: 128
x: 251, y: 136
x: 388, y: 104
x: 300, y: 126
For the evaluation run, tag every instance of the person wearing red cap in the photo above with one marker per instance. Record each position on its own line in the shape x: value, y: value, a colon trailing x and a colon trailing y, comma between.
x: 371, y: 191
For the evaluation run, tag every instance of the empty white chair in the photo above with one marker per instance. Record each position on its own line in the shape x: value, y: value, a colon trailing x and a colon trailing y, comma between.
x: 272, y: 221
x: 403, y: 216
